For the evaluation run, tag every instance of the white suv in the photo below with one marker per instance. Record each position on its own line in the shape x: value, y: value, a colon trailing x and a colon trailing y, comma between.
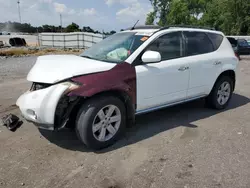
x: 132, y: 72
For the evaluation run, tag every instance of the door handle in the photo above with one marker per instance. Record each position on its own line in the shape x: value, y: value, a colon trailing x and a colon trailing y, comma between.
x: 217, y: 63
x: 183, y: 68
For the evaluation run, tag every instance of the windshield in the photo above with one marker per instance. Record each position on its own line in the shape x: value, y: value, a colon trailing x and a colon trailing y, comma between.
x: 116, y: 48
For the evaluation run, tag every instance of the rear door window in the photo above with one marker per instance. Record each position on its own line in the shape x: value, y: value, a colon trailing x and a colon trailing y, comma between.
x: 197, y: 43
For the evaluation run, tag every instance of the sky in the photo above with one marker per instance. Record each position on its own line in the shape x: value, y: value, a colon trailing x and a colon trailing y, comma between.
x: 104, y: 15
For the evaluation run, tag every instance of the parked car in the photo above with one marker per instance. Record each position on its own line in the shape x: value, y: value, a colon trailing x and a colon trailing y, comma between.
x: 5, y: 33
x: 133, y: 72
x: 243, y: 47
x: 234, y: 44
x: 248, y: 42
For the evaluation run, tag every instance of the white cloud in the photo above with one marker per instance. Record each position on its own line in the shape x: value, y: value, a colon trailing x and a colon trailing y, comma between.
x: 60, y: 8
x: 41, y: 12
x: 89, y: 12
x: 123, y: 2
x: 72, y: 12
x: 130, y: 14
x: 46, y: 1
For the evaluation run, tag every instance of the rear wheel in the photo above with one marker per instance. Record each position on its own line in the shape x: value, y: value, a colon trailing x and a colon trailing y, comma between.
x: 221, y: 93
x: 101, y: 121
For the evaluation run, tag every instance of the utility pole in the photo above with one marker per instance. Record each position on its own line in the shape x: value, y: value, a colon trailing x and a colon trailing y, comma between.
x: 19, y: 12
x: 61, y: 22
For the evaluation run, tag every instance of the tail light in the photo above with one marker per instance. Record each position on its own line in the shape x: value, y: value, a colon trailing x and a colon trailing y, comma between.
x: 236, y: 54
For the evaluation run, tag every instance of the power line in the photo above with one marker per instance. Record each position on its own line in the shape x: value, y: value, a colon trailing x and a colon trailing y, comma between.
x: 19, y: 12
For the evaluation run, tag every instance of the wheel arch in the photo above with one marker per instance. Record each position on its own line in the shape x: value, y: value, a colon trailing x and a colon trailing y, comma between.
x: 122, y: 95
x: 230, y: 73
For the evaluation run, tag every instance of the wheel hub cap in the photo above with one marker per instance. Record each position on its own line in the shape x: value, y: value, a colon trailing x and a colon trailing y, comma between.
x: 106, y: 123
x: 224, y: 92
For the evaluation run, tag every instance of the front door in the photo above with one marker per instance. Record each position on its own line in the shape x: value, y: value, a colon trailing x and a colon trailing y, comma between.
x: 165, y: 82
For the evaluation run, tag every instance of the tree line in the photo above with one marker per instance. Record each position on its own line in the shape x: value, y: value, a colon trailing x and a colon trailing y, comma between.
x: 28, y: 28
x: 230, y: 16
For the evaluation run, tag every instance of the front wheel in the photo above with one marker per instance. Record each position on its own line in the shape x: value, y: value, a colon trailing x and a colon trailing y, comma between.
x: 101, y: 121
x: 221, y: 93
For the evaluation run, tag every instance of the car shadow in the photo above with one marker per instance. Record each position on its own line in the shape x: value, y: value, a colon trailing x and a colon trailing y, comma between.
x: 149, y: 125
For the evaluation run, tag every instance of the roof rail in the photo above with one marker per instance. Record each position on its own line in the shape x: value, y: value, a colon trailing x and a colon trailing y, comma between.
x: 187, y: 26
x: 145, y: 27
x: 167, y: 27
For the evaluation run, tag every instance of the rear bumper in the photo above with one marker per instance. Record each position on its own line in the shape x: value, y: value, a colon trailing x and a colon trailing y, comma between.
x: 39, y: 106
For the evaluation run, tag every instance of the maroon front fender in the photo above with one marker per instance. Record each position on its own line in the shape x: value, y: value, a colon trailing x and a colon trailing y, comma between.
x: 120, y: 78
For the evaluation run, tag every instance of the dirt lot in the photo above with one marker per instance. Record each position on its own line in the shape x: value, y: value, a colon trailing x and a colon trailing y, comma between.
x: 187, y: 146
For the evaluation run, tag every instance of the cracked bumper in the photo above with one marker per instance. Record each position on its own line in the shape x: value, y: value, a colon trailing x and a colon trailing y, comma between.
x: 39, y: 106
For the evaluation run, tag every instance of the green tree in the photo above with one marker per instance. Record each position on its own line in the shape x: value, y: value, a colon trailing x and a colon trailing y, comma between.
x: 87, y: 29
x: 230, y: 16
x: 150, y: 18
x: 161, y: 10
x: 72, y: 27
x: 112, y: 32
x: 179, y: 13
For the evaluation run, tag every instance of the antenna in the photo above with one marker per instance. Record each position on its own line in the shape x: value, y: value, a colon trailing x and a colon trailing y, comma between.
x: 18, y: 5
x: 135, y: 25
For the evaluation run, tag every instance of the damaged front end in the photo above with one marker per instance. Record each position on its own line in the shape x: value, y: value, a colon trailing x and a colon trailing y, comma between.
x: 65, y: 109
x: 47, y: 105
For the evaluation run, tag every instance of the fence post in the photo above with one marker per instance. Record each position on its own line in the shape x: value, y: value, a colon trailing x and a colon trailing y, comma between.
x: 64, y: 41
x: 52, y: 40
x: 38, y: 39
x: 92, y: 40
x: 83, y: 40
x: 78, y: 40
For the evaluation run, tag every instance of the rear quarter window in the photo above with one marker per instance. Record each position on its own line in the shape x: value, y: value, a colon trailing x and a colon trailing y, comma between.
x: 216, y: 39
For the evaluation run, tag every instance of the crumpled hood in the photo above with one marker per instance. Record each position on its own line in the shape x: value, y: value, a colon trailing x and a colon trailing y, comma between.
x: 54, y: 68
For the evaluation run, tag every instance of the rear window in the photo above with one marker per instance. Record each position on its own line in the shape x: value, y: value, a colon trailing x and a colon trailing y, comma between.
x: 197, y: 43
x: 216, y: 39
x: 242, y: 42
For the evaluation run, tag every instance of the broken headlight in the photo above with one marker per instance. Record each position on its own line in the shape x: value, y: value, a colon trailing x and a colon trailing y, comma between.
x: 37, y: 86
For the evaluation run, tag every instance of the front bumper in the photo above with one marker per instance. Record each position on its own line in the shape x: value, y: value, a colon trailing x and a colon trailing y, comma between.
x: 39, y: 106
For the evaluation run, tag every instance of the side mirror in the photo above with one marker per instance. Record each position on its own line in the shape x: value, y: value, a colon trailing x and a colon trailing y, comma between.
x: 151, y: 57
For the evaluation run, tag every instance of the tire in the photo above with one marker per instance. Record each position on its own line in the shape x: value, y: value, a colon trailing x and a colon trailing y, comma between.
x: 88, y: 114
x: 213, y: 99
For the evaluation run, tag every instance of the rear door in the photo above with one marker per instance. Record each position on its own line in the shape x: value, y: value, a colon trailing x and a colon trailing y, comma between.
x: 203, y: 61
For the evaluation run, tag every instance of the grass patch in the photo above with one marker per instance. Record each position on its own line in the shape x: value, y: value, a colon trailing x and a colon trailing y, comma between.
x: 37, y: 52
x: 13, y: 52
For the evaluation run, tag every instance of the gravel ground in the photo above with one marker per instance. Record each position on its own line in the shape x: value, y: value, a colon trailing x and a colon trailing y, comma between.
x: 187, y: 146
x: 14, y: 68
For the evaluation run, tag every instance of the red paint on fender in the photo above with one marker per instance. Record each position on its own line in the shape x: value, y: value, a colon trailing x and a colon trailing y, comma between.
x: 122, y: 78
